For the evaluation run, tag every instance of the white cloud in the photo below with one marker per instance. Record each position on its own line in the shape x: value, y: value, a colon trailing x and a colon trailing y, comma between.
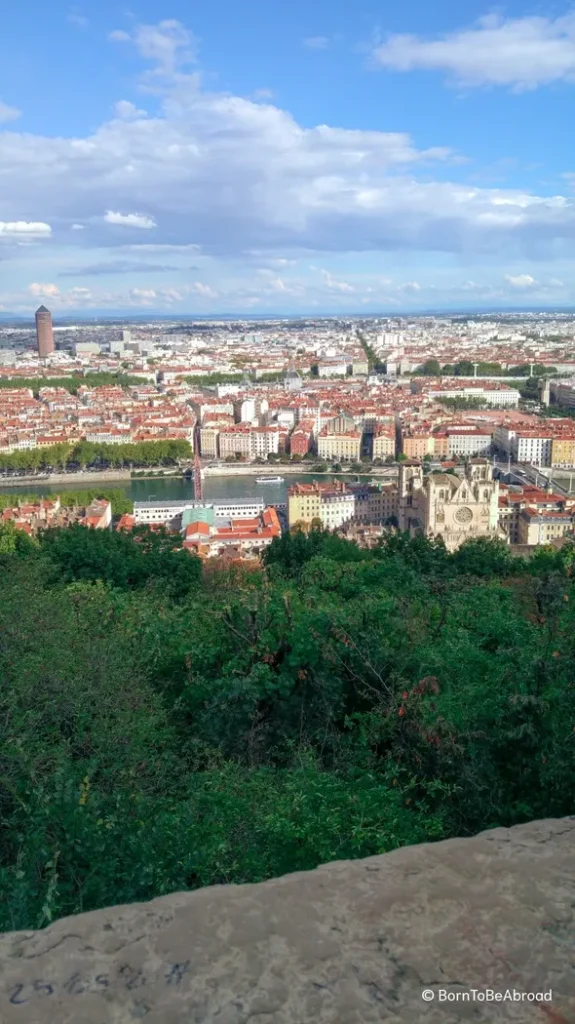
x: 333, y: 285
x: 129, y: 220
x: 232, y: 175
x: 521, y: 281
x: 24, y: 229
x: 128, y: 111
x: 161, y: 247
x: 316, y: 42
x: 198, y: 288
x: 77, y: 227
x: 143, y: 293
x: 43, y: 290
x: 8, y: 113
x: 168, y: 45
x: 170, y: 295
x: 244, y: 181
x: 522, y: 53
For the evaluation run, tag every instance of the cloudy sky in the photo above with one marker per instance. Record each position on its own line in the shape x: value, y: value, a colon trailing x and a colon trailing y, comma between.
x: 298, y: 157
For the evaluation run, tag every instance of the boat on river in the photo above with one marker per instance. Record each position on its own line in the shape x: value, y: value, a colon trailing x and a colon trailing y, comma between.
x: 269, y: 480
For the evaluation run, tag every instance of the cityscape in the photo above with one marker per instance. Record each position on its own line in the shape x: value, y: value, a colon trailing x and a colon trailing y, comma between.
x: 287, y: 512
x: 317, y: 422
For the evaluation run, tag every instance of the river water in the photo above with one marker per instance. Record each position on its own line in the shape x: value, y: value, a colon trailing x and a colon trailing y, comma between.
x: 168, y: 488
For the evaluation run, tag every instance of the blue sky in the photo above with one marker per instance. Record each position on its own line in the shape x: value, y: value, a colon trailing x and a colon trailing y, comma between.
x: 258, y: 157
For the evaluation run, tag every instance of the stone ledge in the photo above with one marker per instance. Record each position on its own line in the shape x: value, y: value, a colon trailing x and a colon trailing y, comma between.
x: 353, y: 942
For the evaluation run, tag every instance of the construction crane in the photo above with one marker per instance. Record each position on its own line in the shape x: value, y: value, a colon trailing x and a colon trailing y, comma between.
x: 198, y: 484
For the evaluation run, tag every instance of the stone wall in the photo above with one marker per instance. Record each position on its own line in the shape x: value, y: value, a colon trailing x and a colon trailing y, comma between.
x: 352, y: 943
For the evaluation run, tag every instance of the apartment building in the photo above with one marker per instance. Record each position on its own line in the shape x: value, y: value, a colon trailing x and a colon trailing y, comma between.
x: 562, y: 392
x: 531, y: 445
x: 497, y: 395
x: 332, y: 368
x: 375, y: 504
x: 266, y: 441
x: 416, y: 444
x: 514, y: 501
x: 563, y: 451
x: 234, y: 441
x: 330, y: 503
x: 339, y: 446
x: 383, y: 440
x: 301, y: 438
x: 467, y: 441
x: 209, y: 442
x: 543, y: 526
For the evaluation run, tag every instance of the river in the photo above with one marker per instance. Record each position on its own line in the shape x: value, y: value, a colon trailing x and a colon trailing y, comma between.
x: 168, y: 488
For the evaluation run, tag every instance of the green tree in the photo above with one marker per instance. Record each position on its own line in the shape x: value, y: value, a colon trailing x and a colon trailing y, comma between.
x: 125, y: 560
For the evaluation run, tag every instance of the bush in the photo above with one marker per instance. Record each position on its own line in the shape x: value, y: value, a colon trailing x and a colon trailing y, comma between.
x: 163, y: 728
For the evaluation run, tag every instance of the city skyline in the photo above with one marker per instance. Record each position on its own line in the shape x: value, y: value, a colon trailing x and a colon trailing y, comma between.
x: 293, y: 162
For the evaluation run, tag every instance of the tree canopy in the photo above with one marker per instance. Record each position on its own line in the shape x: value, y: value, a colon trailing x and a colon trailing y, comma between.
x: 164, y: 727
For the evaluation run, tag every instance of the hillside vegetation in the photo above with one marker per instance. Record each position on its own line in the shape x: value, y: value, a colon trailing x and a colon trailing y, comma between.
x: 165, y: 728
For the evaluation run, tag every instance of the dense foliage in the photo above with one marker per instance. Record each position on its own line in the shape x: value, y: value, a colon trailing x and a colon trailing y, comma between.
x: 466, y: 368
x: 101, y: 455
x: 90, y: 380
x: 164, y: 729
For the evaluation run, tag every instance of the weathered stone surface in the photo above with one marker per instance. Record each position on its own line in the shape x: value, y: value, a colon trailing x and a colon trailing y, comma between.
x: 350, y: 943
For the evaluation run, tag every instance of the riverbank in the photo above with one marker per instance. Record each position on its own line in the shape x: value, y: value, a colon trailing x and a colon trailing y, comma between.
x: 291, y: 469
x: 87, y: 479
x: 91, y: 480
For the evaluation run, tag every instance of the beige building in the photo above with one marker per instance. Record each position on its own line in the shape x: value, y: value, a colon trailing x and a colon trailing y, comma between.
x: 563, y: 452
x: 339, y: 439
x: 416, y: 444
x: 332, y: 504
x: 375, y: 504
x: 542, y: 526
x: 209, y: 442
x: 384, y: 441
x: 448, y: 506
x: 235, y: 441
x: 339, y: 446
x: 440, y: 444
x: 515, y: 501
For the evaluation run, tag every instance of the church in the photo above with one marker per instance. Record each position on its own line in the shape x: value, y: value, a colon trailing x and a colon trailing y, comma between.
x: 448, y: 506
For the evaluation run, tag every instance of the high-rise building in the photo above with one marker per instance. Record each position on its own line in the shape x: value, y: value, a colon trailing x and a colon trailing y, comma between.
x: 44, y: 332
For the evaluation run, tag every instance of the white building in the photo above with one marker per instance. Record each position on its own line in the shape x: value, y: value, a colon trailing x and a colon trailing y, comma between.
x: 169, y: 513
x: 531, y: 446
x: 336, y: 509
x: 264, y: 441
x: 468, y: 441
x: 87, y: 348
x: 332, y: 368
